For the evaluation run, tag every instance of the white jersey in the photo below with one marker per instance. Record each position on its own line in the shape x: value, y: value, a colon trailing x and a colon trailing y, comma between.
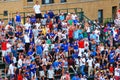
x: 37, y: 9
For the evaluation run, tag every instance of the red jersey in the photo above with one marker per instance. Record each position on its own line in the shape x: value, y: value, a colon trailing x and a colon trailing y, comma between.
x: 81, y: 44
x: 4, y: 45
x: 70, y: 35
x: 20, y: 77
x: 111, y: 69
x: 50, y: 25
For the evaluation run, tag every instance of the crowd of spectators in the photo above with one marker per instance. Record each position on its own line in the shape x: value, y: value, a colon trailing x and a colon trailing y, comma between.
x: 55, y: 46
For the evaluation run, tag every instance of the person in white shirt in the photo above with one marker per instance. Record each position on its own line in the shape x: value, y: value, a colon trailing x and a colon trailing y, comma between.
x: 76, y: 63
x: 27, y: 24
x: 45, y: 46
x: 90, y: 66
x: 44, y: 60
x: 37, y: 11
x: 9, y: 45
x: 83, y: 78
x: 51, y: 74
x: 37, y: 24
x: 82, y: 64
x: 97, y: 64
x: 11, y: 70
x: 13, y: 59
x: 117, y: 72
x: 27, y: 41
x: 19, y: 65
x: 73, y: 16
x: 64, y: 35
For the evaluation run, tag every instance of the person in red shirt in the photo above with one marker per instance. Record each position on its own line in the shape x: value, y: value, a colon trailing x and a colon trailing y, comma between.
x: 19, y: 76
x: 4, y: 48
x: 50, y: 25
x: 70, y: 35
x: 111, y: 68
x: 81, y: 47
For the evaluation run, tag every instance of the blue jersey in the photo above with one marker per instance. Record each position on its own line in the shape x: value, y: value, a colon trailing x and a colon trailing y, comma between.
x: 18, y: 18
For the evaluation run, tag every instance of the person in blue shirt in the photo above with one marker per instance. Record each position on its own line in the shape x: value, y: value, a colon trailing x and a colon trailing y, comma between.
x: 51, y: 14
x: 93, y: 36
x: 56, y: 47
x: 75, y: 55
x: 76, y: 21
x: 46, y: 14
x: 62, y: 17
x: 51, y: 34
x: 7, y: 59
x: 32, y: 69
x: 27, y: 73
x: 76, y: 34
x: 56, y: 65
x: 65, y: 47
x: 39, y: 50
x: 32, y: 19
x: 93, y: 53
x: 111, y: 57
x: 14, y: 51
x: 18, y: 18
x: 75, y: 46
x: 10, y: 22
x: 30, y: 33
x: 30, y: 52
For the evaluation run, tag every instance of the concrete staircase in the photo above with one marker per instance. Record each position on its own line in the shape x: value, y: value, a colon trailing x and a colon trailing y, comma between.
x: 2, y: 66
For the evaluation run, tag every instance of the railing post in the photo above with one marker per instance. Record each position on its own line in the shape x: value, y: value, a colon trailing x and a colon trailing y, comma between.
x: 75, y: 10
x: 24, y: 17
x: 67, y: 10
x: 59, y: 10
x: 81, y: 16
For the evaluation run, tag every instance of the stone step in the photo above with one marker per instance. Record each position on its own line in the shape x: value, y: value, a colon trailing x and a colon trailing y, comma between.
x: 2, y: 66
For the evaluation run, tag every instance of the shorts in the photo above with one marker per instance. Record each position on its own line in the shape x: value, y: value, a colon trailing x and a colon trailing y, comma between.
x: 66, y: 54
x: 38, y: 15
x: 4, y: 53
x: 33, y: 74
x: 8, y: 50
x: 19, y: 50
x: 42, y: 74
x: 76, y: 50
